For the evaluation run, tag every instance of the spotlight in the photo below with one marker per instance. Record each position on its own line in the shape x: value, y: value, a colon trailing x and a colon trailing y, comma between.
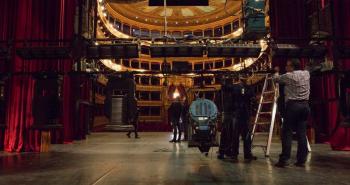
x: 176, y: 94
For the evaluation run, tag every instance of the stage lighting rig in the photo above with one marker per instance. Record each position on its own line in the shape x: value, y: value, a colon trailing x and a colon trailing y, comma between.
x: 112, y: 51
x: 176, y: 50
x: 234, y: 50
x: 293, y: 51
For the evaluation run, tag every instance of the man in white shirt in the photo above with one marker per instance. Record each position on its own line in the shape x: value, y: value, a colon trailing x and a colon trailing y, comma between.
x: 297, y: 92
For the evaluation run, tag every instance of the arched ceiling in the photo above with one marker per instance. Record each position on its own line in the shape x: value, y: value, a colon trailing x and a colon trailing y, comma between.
x: 178, y: 16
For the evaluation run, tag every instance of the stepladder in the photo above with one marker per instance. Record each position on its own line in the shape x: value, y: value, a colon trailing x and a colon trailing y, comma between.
x: 265, y: 118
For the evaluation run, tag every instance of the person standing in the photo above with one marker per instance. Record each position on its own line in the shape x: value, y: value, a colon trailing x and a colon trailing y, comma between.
x: 236, y: 114
x: 243, y: 100
x: 184, y: 119
x: 133, y: 116
x: 297, y: 92
x: 225, y: 147
x: 175, y: 111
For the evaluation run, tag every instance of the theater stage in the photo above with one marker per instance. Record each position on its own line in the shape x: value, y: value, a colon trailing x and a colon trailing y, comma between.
x: 112, y: 158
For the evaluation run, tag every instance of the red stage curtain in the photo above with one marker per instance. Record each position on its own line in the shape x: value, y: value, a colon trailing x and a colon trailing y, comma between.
x: 324, y: 105
x: 288, y: 24
x: 6, y: 32
x: 22, y: 20
x: 288, y: 20
x: 340, y: 138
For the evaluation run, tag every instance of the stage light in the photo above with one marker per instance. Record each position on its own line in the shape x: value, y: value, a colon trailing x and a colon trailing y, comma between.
x: 111, y: 65
x: 262, y: 42
x: 176, y: 94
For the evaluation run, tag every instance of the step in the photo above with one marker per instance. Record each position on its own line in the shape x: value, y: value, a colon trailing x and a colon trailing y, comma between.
x: 259, y: 146
x: 267, y: 102
x: 263, y: 123
x: 268, y: 92
x: 261, y: 133
x: 265, y: 112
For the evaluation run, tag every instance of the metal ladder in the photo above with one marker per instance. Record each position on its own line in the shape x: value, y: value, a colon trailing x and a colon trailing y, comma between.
x: 272, y: 89
x: 268, y: 98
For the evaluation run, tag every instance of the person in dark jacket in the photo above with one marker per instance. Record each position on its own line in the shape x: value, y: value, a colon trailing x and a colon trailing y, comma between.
x: 243, y: 97
x: 133, y: 116
x: 227, y: 129
x: 175, y: 111
x: 236, y: 115
x: 185, y: 119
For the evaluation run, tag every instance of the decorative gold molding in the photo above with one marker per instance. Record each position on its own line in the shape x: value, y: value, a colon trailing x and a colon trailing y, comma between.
x: 140, y: 25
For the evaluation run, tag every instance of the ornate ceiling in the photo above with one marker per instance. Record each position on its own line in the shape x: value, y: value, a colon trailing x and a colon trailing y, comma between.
x: 138, y: 12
